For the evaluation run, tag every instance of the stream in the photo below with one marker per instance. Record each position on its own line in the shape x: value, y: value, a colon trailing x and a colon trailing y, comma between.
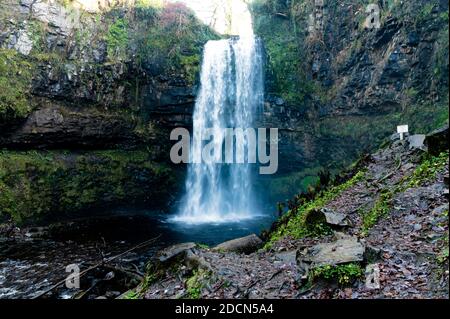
x: 30, y: 265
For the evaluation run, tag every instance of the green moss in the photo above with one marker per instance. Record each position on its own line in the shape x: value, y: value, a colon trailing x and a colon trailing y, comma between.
x: 285, y: 187
x: 442, y: 257
x: 117, y: 38
x: 195, y: 283
x: 175, y: 40
x: 427, y: 170
x: 342, y: 274
x: 294, y: 223
x: 284, y: 47
x: 35, y: 184
x: 15, y: 80
x: 380, y: 209
x: 425, y: 12
x: 132, y: 295
x: 191, y: 66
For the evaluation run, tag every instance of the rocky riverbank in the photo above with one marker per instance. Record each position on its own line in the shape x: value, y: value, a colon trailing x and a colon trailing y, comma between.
x: 383, y: 233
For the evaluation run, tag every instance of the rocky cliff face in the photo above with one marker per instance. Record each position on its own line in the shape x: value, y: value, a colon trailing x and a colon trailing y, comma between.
x: 76, y: 80
x: 97, y: 77
x: 339, y: 82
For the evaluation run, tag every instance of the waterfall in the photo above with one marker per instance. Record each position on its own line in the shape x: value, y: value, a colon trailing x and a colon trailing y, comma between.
x: 230, y: 95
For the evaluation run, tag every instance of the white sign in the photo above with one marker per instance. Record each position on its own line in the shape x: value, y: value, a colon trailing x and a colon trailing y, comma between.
x: 402, y: 129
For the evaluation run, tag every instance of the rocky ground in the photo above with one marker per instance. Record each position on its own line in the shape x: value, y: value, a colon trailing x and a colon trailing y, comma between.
x: 388, y: 239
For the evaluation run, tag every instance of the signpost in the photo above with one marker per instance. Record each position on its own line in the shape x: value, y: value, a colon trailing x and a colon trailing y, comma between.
x: 402, y: 129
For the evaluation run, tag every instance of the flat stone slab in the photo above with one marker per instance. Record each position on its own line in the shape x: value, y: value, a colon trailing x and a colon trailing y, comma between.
x: 417, y: 142
x: 245, y: 245
x: 335, y: 218
x: 287, y: 257
x: 342, y: 251
x: 174, y: 251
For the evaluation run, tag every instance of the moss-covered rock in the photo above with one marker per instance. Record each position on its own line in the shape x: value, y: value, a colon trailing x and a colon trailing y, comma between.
x: 15, y: 82
x: 302, y: 221
x: 35, y: 185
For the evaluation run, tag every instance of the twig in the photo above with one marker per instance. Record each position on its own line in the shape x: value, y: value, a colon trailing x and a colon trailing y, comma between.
x: 281, y: 14
x: 386, y: 176
x: 146, y: 243
x: 393, y: 172
x: 220, y: 286
x: 275, y: 274
x: 249, y: 288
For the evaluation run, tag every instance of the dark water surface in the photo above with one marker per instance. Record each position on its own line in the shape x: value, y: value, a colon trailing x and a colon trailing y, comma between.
x: 30, y: 266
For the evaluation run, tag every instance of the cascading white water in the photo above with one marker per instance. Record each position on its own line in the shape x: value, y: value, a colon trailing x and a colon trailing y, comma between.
x: 231, y: 93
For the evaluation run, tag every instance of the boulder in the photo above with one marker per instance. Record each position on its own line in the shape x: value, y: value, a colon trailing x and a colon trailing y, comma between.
x: 279, y: 101
x: 328, y: 216
x: 396, y: 136
x: 341, y: 251
x: 437, y: 141
x: 244, y: 245
x: 287, y: 257
x: 334, y: 218
x: 172, y: 252
x: 417, y: 142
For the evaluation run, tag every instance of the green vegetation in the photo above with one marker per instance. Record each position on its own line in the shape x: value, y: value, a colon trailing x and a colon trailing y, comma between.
x: 151, y: 277
x: 427, y: 170
x: 131, y: 295
x: 175, y: 40
x: 380, y: 209
x: 424, y: 173
x: 284, y: 187
x: 34, y: 184
x: 425, y: 12
x: 15, y: 80
x: 284, y: 46
x: 297, y: 222
x: 65, y: 3
x: 343, y: 274
x: 304, y: 221
x: 149, y: 3
x: 169, y: 38
x: 117, y: 38
x: 195, y: 283
x: 442, y: 257
x: 443, y: 254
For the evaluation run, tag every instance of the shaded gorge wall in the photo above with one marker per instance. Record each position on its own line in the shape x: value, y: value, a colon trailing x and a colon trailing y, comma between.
x: 336, y: 89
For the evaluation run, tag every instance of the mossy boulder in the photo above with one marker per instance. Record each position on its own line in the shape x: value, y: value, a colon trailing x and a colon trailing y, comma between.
x: 36, y: 186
